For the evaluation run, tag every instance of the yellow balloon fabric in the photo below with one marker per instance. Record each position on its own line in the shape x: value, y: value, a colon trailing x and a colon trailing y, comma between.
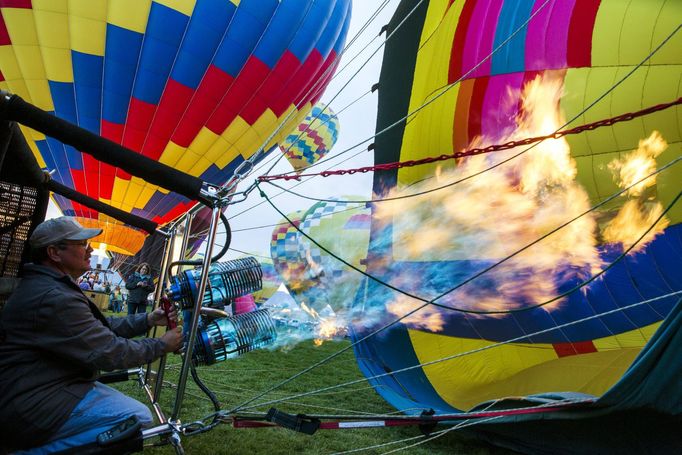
x: 468, y: 71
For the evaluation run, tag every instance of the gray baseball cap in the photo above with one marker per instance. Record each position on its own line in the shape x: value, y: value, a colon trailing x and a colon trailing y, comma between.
x: 55, y: 230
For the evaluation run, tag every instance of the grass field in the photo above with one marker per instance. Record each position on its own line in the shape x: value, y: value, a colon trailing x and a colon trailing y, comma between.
x: 236, y: 381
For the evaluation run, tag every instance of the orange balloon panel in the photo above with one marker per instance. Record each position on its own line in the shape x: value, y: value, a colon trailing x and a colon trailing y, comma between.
x: 116, y: 236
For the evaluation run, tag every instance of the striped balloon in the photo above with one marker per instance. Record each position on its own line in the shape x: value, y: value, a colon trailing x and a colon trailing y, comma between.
x: 463, y: 68
x: 199, y: 85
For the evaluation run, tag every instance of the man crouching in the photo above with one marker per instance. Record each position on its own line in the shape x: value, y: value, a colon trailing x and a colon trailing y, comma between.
x: 55, y: 342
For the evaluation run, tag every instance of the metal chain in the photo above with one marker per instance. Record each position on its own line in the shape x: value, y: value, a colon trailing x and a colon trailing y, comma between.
x: 479, y: 151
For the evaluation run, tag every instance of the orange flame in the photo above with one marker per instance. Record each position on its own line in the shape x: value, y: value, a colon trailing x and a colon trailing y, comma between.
x: 639, y: 212
x: 310, y: 311
x: 327, y: 327
x: 632, y: 221
x: 638, y: 164
x: 500, y: 211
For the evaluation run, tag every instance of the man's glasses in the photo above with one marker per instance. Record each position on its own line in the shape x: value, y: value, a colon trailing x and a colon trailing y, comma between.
x: 65, y: 244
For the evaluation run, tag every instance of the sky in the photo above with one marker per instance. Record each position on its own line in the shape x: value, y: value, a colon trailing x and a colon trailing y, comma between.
x: 357, y: 73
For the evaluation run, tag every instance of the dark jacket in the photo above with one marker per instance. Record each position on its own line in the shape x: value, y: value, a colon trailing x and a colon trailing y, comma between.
x: 55, y: 341
x: 138, y: 294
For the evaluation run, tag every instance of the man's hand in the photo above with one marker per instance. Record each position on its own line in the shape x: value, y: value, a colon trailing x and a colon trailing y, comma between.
x: 158, y: 317
x: 172, y: 340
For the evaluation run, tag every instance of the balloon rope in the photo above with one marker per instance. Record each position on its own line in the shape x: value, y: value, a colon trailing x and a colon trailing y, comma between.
x: 445, y: 88
x: 316, y: 85
x: 263, y: 226
x: 272, y: 157
x: 349, y: 80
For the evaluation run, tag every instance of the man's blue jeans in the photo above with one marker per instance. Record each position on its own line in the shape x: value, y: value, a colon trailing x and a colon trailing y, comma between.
x: 101, y: 409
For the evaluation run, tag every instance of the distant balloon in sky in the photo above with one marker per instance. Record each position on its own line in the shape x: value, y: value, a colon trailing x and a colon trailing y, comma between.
x: 312, y: 275
x: 198, y: 85
x: 271, y: 281
x: 284, y: 250
x: 310, y: 141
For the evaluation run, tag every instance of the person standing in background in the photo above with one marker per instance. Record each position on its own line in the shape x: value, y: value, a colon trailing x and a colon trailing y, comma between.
x: 116, y: 300
x: 139, y: 285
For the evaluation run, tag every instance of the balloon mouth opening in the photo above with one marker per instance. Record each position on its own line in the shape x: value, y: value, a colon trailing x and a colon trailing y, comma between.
x: 115, y: 237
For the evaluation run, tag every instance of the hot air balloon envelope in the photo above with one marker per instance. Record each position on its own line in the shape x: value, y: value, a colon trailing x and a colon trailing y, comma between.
x: 310, y: 141
x: 197, y: 85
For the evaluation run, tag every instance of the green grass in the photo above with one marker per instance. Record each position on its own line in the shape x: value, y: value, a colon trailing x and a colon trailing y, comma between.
x: 237, y: 380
